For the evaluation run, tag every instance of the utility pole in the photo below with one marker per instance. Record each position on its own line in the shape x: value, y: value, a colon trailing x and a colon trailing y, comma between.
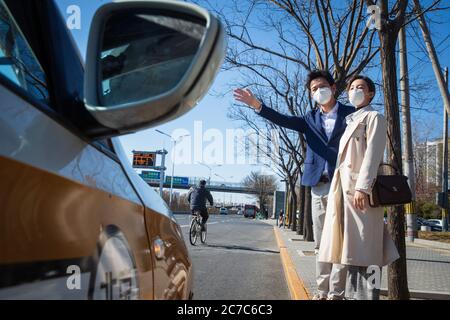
x: 173, y: 159
x: 161, y: 170
x: 445, y: 166
x: 173, y: 171
x: 443, y: 88
x: 408, y: 159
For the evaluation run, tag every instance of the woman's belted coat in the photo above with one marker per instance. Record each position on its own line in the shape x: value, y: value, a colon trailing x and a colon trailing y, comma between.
x: 351, y: 236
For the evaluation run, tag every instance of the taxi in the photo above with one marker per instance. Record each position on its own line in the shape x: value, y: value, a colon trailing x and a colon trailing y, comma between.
x: 76, y: 221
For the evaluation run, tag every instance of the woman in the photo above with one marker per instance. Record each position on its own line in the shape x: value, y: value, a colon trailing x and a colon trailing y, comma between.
x: 354, y: 233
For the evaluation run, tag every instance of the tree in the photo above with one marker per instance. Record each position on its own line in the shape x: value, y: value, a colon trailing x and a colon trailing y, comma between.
x: 279, y: 142
x: 307, y: 224
x: 301, y: 206
x: 388, y: 34
x: 263, y: 184
x: 343, y: 44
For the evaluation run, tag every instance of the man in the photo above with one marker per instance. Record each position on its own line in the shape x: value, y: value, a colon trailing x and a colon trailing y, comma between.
x: 323, y: 128
x: 281, y: 218
x: 197, y: 197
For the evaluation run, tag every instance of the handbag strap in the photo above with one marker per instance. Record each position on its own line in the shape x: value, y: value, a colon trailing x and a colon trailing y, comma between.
x: 390, y: 165
x: 397, y: 171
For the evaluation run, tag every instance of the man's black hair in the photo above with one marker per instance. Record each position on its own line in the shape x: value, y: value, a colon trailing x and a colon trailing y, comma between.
x: 369, y: 82
x: 202, y: 182
x: 319, y: 74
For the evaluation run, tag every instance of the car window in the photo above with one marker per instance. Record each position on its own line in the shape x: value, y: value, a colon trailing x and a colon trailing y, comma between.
x: 17, y: 61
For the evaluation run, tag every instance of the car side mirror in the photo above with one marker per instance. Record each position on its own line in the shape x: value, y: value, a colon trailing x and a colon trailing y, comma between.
x: 149, y: 62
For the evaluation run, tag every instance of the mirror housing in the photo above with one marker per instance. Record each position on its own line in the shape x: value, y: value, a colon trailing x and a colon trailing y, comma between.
x: 150, y: 110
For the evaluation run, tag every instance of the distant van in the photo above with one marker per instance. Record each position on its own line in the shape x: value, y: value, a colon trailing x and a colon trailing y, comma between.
x: 250, y: 211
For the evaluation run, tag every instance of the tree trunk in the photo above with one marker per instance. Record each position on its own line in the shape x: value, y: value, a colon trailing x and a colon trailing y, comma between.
x: 294, y: 208
x: 290, y: 212
x: 307, y: 222
x: 397, y: 276
x: 301, y: 206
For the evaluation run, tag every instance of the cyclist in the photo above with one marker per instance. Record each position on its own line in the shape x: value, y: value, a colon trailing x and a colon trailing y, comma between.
x: 197, y: 198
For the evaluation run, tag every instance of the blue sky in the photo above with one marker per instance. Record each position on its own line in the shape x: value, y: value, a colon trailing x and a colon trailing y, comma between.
x: 212, y: 110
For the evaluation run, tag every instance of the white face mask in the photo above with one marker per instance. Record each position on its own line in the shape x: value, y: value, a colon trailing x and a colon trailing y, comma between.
x: 322, y: 95
x: 356, y: 97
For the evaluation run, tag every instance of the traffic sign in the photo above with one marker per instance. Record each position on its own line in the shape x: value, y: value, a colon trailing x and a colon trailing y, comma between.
x: 144, y: 159
x: 150, y: 175
x: 178, y: 181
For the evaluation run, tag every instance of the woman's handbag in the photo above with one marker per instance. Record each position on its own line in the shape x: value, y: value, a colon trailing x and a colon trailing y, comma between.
x: 390, y: 190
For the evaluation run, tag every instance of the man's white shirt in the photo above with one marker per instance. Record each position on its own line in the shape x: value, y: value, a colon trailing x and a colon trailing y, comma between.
x: 329, y: 120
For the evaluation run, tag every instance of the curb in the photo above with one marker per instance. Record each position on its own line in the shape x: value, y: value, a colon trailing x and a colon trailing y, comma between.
x: 430, y: 244
x: 426, y: 295
x: 295, y: 284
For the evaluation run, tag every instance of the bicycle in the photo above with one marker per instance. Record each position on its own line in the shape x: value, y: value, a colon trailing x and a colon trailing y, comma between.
x: 196, y: 229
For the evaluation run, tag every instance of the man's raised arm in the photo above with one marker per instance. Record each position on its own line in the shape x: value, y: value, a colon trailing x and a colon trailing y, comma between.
x: 290, y: 122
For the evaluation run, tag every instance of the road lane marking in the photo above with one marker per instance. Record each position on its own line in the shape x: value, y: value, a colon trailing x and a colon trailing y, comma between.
x: 296, y: 286
x: 188, y: 225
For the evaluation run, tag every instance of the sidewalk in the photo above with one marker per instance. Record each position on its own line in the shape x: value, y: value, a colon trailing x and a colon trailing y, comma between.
x: 428, y: 267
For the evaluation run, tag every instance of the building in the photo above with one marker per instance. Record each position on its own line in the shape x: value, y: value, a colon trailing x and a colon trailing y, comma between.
x: 428, y: 160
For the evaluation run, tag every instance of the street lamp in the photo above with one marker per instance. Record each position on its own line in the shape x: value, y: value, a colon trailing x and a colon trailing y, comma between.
x: 173, y: 159
x: 210, y: 170
x: 225, y: 180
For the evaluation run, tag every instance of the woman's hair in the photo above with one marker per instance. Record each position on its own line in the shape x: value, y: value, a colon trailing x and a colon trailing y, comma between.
x: 369, y: 82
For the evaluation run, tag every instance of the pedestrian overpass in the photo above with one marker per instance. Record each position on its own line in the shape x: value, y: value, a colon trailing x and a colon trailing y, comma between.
x: 217, y: 186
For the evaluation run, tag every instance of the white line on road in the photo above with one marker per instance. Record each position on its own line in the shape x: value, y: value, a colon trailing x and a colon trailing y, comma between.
x: 188, y: 225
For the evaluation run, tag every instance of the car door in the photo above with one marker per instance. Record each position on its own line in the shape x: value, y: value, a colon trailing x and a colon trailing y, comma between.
x: 72, y: 225
x: 173, y: 272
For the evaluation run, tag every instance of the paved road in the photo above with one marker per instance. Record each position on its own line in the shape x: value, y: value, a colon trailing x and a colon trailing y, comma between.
x: 240, y: 260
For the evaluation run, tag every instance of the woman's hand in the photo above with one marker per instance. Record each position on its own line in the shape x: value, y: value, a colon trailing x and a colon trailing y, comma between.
x: 360, y: 200
x: 247, y: 97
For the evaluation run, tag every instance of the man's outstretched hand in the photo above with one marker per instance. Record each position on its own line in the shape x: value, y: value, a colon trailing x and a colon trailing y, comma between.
x: 247, y: 97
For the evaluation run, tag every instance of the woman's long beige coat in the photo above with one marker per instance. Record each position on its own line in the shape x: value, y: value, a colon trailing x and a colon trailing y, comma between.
x: 351, y: 236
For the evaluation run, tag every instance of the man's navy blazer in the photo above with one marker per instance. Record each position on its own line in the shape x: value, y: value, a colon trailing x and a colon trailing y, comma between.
x: 319, y: 149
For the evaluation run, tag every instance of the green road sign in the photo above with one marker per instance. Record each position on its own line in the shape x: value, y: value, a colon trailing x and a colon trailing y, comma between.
x: 150, y: 175
x: 178, y: 181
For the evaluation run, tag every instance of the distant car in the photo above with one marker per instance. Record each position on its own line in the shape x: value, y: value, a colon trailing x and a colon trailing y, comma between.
x: 223, y: 210
x: 434, y: 224
x: 239, y: 212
